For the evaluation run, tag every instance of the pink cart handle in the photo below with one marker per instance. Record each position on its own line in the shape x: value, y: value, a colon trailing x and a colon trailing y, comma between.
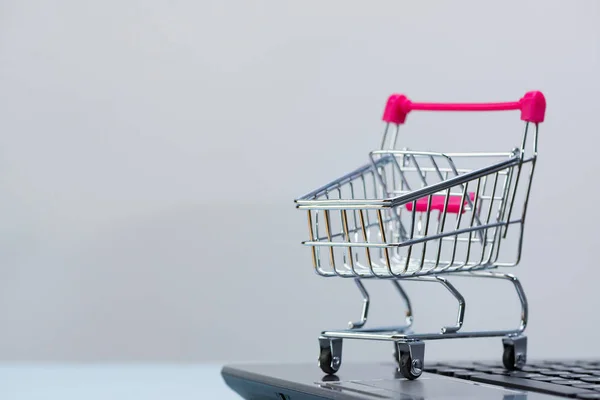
x: 532, y: 107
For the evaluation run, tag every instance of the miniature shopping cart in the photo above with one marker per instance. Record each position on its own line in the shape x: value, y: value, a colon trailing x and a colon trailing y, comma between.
x: 421, y: 215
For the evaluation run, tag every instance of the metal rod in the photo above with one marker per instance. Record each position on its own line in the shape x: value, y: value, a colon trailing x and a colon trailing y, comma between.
x: 366, y: 239
x: 365, y: 308
x: 383, y: 239
x: 409, y: 313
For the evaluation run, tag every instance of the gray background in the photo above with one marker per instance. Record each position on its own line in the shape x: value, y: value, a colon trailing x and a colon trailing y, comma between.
x: 150, y: 152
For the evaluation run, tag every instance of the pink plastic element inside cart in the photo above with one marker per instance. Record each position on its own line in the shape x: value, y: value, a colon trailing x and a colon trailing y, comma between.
x: 532, y: 107
x: 437, y: 203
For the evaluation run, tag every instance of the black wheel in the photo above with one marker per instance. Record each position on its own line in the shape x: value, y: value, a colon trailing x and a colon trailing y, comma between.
x: 508, y: 358
x: 325, y: 361
x: 406, y: 367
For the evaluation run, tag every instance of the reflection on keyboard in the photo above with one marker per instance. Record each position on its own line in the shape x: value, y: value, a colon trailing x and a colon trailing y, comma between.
x: 579, y: 379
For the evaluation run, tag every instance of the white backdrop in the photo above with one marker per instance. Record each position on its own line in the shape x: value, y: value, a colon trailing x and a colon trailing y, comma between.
x: 150, y: 153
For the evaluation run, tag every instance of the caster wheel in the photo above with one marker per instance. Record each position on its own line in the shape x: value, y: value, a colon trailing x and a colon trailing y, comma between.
x: 326, y: 362
x: 514, y: 356
x: 408, y: 369
x: 508, y: 358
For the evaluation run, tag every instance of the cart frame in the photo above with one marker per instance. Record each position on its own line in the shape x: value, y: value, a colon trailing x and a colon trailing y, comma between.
x: 398, y: 247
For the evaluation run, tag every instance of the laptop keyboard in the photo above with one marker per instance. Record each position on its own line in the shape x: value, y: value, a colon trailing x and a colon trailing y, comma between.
x: 577, y: 379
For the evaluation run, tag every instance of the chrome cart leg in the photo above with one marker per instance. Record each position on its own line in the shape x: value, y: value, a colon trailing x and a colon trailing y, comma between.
x: 515, y: 352
x: 461, y: 306
x: 459, y: 298
x: 520, y: 292
x: 365, y: 308
x: 411, y: 358
x: 330, y: 356
x: 409, y: 314
x: 515, y: 344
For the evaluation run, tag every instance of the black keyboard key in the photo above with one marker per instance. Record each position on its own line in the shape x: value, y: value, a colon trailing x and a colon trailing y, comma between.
x: 468, y: 374
x: 521, y: 374
x: 550, y: 372
x: 569, y: 375
x: 588, y: 396
x: 453, y: 372
x: 530, y: 384
x: 589, y: 386
x: 499, y: 371
x: 558, y: 367
x: 535, y: 376
x: 578, y: 370
x: 566, y: 375
x: 531, y: 369
x: 543, y: 378
x: 486, y: 370
x: 591, y: 379
x: 447, y: 371
x: 568, y: 382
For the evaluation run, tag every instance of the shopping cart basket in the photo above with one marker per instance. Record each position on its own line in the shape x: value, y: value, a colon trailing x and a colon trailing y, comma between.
x: 424, y: 216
